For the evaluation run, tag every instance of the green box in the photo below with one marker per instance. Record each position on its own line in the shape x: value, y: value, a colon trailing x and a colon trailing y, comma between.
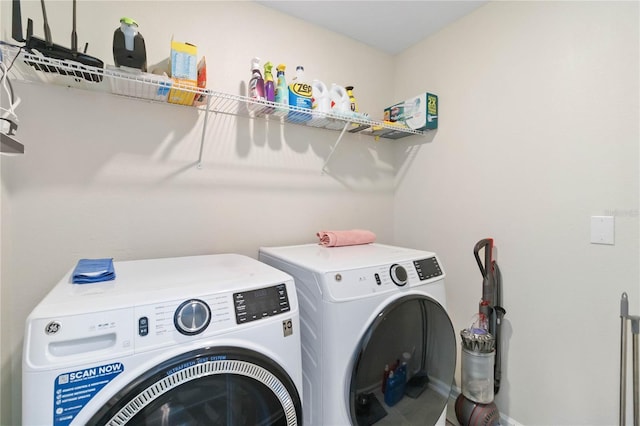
x: 417, y: 113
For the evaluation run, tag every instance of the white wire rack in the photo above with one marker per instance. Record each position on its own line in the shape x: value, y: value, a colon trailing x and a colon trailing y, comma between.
x: 35, y: 67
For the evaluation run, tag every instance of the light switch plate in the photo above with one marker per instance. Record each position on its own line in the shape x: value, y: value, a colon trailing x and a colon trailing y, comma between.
x: 602, y: 230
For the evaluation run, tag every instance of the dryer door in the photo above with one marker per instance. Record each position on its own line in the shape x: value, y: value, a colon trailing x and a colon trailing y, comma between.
x: 213, y: 386
x: 413, y: 337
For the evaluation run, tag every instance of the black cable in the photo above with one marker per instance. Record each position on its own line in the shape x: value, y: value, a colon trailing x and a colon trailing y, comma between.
x: 14, y: 60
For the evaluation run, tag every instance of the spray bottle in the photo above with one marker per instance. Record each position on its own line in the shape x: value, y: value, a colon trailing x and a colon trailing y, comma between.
x: 281, y: 90
x: 256, y: 85
x: 269, y: 86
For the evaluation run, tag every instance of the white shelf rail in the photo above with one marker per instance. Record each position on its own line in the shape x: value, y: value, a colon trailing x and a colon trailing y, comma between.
x: 35, y: 67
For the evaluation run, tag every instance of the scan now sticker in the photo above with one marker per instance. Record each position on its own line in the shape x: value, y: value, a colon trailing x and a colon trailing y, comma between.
x: 74, y: 389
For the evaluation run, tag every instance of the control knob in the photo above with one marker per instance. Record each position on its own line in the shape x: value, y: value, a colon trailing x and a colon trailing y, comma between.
x: 192, y: 317
x: 398, y: 274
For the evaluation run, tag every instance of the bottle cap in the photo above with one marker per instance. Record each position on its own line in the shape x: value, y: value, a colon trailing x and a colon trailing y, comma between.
x: 128, y: 21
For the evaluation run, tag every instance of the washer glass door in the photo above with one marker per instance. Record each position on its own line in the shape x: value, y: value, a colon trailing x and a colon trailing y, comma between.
x: 404, y: 365
x: 225, y: 386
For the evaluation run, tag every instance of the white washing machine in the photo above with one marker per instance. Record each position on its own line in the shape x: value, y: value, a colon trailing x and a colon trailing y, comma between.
x: 199, y: 340
x: 364, y: 308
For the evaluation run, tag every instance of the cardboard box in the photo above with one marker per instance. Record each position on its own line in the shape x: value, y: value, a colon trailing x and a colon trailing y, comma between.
x: 184, y: 73
x: 200, y: 98
x: 417, y: 113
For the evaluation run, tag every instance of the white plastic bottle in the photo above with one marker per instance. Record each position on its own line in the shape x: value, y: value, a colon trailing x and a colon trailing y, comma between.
x: 300, y: 94
x: 321, y: 101
x: 340, y: 102
x: 340, y: 106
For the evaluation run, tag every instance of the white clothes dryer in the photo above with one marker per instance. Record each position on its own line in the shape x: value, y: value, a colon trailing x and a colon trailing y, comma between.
x: 197, y: 340
x: 365, y: 309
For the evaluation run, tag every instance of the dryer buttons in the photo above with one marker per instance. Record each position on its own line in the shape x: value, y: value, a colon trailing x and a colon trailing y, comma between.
x: 398, y: 274
x: 377, y: 277
x: 192, y: 317
x: 143, y: 326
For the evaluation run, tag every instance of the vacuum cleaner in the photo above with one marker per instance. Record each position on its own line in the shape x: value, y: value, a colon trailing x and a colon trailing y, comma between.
x: 481, y: 348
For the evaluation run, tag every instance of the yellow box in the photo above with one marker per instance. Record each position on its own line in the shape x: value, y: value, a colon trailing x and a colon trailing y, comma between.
x: 184, y: 72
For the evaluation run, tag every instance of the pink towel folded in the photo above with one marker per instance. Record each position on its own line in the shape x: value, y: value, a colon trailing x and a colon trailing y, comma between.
x: 346, y: 238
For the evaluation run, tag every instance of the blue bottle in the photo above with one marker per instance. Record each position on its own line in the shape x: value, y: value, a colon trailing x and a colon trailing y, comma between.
x: 394, y: 389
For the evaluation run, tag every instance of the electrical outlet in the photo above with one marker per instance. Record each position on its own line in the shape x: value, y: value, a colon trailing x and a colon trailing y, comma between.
x: 602, y: 230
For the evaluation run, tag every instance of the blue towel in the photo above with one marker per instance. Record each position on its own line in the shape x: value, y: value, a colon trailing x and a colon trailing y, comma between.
x: 93, y: 270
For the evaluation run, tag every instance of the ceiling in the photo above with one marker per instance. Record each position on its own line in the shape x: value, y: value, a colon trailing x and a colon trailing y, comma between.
x: 391, y: 26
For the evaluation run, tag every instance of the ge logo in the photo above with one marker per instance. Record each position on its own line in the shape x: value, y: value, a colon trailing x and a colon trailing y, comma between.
x: 287, y: 327
x: 52, y: 328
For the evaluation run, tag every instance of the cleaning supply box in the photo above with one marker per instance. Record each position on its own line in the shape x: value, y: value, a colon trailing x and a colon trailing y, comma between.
x: 184, y: 72
x: 417, y: 113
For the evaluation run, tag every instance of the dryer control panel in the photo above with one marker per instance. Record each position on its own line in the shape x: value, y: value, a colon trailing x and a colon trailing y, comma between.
x: 402, y: 275
x: 427, y: 268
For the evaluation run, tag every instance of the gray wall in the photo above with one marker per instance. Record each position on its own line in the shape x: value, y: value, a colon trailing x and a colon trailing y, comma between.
x: 105, y: 176
x: 539, y: 131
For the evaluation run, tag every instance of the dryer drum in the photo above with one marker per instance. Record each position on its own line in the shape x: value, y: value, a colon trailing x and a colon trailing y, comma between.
x: 416, y: 330
x: 214, y: 386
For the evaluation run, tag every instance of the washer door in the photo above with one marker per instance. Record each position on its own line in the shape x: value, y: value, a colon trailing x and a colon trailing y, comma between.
x: 213, y: 386
x: 413, y: 337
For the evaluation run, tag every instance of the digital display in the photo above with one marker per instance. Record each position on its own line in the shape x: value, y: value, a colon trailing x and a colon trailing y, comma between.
x: 427, y: 268
x: 264, y: 302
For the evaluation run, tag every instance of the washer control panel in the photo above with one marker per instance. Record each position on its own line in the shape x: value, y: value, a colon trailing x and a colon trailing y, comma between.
x: 179, y: 320
x: 264, y: 302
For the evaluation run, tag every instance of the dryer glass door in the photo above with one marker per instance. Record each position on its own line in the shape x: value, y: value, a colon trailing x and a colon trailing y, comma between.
x: 225, y: 386
x: 414, y: 338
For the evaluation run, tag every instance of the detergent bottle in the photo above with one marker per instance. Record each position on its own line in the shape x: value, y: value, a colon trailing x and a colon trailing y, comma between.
x: 256, y: 86
x: 128, y: 46
x: 320, y: 102
x: 340, y: 107
x: 393, y: 390
x: 269, y: 86
x: 340, y: 103
x: 300, y: 94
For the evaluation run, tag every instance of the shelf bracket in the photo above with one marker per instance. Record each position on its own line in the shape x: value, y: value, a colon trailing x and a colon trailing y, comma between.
x: 204, y: 129
x: 344, y: 129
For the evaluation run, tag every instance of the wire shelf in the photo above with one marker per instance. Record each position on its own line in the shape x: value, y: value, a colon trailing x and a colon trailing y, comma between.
x: 35, y: 67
